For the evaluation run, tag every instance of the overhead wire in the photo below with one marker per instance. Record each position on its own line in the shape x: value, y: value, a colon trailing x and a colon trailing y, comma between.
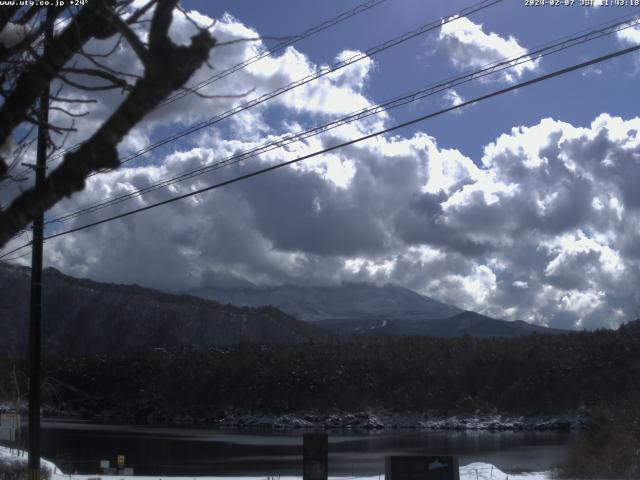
x: 358, y: 9
x: 474, y: 8
x: 489, y: 69
x: 17, y: 257
x: 477, y: 7
x: 55, y: 25
x: 341, y: 17
x: 281, y: 46
x: 17, y: 249
x: 413, y: 121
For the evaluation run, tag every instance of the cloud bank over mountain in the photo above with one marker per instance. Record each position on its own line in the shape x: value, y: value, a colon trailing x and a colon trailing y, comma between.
x: 544, y: 227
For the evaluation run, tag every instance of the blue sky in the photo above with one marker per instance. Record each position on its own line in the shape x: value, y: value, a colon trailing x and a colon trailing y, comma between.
x: 576, y: 98
x: 520, y: 207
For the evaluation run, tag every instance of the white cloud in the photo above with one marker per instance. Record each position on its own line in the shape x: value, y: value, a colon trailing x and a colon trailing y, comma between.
x: 468, y: 46
x: 544, y: 232
x: 452, y: 99
x: 629, y: 36
x: 544, y: 227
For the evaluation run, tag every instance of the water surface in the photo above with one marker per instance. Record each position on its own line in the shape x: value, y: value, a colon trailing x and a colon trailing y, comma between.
x: 193, y: 451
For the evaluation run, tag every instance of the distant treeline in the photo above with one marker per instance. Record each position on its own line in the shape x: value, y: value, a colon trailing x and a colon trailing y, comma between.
x: 527, y: 375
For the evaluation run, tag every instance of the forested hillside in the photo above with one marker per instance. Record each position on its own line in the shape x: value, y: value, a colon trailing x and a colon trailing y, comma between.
x: 534, y: 374
x: 82, y: 316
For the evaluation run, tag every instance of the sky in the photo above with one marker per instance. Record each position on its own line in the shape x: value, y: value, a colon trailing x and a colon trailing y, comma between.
x: 521, y: 207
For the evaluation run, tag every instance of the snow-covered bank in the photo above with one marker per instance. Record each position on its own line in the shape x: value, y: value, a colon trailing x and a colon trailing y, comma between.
x: 12, y: 459
x: 376, y: 420
x: 473, y: 471
x: 362, y: 420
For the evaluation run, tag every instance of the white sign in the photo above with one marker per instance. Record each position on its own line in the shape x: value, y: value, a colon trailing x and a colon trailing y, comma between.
x: 104, y: 464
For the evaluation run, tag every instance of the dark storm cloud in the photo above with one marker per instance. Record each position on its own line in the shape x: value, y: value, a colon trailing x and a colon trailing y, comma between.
x: 546, y: 229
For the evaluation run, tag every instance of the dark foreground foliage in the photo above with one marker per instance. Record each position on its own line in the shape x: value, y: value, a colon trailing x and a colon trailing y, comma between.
x: 538, y: 374
x: 609, y: 447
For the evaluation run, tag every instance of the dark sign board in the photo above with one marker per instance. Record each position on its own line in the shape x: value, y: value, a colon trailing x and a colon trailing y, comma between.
x: 421, y: 467
x: 315, y: 456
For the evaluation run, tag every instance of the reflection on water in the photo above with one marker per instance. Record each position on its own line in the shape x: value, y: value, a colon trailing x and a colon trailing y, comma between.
x: 191, y: 451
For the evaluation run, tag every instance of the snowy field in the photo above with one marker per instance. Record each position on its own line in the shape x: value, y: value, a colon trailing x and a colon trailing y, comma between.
x: 473, y: 471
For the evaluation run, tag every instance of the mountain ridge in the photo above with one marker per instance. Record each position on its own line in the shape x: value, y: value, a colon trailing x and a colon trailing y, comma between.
x: 83, y: 316
x: 464, y: 323
x: 348, y: 300
x: 354, y: 309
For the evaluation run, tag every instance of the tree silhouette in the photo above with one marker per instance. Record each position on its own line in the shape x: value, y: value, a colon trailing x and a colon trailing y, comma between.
x: 27, y: 70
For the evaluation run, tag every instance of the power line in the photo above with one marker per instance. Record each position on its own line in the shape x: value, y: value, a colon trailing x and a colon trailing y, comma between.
x: 312, y: 31
x: 239, y: 66
x: 489, y: 69
x: 14, y: 251
x: 479, y: 6
x: 481, y: 98
x: 483, y: 4
x: 311, y: 77
x: 17, y: 257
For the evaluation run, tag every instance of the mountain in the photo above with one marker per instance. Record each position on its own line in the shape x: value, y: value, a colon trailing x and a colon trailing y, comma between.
x: 83, y: 316
x: 464, y: 323
x: 346, y: 301
x: 366, y: 309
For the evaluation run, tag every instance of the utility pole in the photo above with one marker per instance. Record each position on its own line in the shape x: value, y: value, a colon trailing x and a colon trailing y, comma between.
x: 36, y: 277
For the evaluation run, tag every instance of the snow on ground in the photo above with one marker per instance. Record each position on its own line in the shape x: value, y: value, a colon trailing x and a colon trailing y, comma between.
x: 11, y: 456
x: 473, y: 471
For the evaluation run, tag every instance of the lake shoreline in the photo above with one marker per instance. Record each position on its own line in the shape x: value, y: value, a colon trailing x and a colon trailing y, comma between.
x: 317, y: 420
x: 196, y: 450
x: 13, y: 463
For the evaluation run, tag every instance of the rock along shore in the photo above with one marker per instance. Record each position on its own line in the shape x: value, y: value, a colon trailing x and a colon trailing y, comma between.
x: 373, y: 421
x: 361, y: 420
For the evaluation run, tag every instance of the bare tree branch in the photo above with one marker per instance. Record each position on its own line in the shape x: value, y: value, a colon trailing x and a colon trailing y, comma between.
x: 93, y: 88
x: 49, y: 127
x: 106, y: 54
x: 73, y: 100
x: 135, y: 16
x: 91, y: 20
x: 30, y: 14
x: 68, y: 112
x: 94, y: 72
x: 193, y: 22
x: 6, y: 14
x: 22, y: 45
x: 167, y: 68
x: 106, y: 68
x: 131, y: 37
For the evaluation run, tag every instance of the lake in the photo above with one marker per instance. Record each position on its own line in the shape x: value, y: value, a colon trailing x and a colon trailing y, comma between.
x: 193, y: 451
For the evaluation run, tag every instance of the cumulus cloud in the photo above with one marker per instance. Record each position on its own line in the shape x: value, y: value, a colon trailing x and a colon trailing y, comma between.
x: 469, y: 47
x: 452, y: 99
x: 543, y: 227
x: 545, y: 231
x: 630, y: 36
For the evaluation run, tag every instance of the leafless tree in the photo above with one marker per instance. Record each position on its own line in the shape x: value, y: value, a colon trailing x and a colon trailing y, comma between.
x: 26, y: 70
